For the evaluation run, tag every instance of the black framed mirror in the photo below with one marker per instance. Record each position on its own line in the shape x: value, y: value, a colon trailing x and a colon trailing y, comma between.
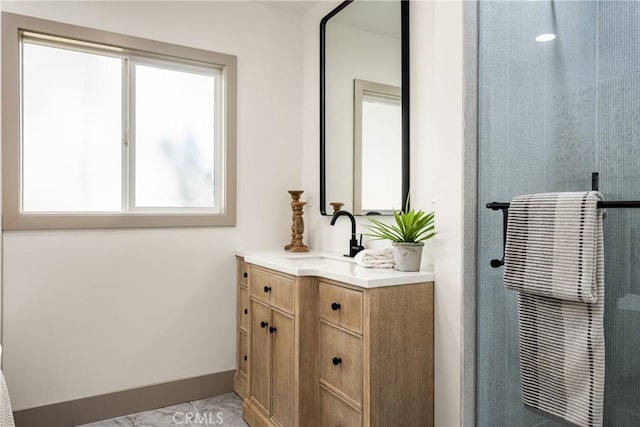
x: 364, y: 107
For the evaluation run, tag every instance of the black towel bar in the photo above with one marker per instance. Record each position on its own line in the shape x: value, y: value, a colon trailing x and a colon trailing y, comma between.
x: 602, y: 204
x: 504, y: 207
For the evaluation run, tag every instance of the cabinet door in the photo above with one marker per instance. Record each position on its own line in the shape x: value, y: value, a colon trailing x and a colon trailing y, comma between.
x: 282, y: 369
x: 260, y: 354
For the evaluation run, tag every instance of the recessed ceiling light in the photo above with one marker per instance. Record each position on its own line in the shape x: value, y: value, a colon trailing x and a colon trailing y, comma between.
x: 545, y: 37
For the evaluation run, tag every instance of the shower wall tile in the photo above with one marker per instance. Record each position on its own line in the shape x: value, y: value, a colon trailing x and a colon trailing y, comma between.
x: 618, y: 38
x: 527, y: 20
x: 573, y: 52
x: 506, y: 125
x: 527, y: 145
x: 493, y: 136
x: 618, y: 154
x: 493, y: 124
x: 493, y: 127
x: 493, y: 130
x: 570, y: 97
x: 587, y: 39
x: 619, y: 135
x: 619, y: 418
x: 622, y: 315
x: 624, y: 372
x: 571, y: 131
x: 471, y: 11
x: 493, y: 33
x: 622, y: 238
x: 491, y: 342
x: 563, y: 52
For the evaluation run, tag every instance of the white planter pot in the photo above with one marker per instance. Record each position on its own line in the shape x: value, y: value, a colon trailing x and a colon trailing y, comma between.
x: 407, y: 256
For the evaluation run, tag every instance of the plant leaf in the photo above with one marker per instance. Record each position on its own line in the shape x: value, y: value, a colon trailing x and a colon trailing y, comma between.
x: 408, y: 225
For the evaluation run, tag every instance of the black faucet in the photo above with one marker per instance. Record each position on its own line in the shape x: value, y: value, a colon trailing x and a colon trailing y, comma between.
x: 354, y: 246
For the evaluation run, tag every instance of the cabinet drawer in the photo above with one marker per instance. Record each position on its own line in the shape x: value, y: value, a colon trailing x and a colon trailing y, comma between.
x: 341, y: 361
x: 272, y: 288
x: 341, y: 306
x: 243, y: 308
x: 335, y: 413
x: 243, y: 354
x: 243, y: 272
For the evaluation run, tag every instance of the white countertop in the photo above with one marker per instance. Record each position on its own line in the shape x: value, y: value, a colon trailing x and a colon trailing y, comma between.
x: 333, y: 266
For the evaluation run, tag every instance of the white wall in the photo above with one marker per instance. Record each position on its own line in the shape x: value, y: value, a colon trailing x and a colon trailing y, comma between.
x: 93, y: 312
x: 437, y: 164
x: 436, y: 182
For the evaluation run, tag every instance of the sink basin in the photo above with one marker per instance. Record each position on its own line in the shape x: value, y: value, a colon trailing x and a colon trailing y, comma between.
x: 305, y: 258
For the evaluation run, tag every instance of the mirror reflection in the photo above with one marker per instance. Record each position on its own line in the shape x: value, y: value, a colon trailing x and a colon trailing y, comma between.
x: 377, y: 147
x: 364, y: 150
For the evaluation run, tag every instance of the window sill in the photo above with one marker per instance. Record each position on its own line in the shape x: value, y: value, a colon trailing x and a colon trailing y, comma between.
x: 96, y: 221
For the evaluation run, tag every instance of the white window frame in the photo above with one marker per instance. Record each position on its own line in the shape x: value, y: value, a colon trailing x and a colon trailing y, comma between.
x: 140, y: 51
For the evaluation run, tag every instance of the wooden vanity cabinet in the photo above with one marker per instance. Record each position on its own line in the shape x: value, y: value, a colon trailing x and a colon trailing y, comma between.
x: 282, y: 348
x: 241, y: 378
x: 324, y: 353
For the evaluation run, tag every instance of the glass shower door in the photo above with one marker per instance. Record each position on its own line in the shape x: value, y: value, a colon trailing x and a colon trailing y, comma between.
x: 550, y: 113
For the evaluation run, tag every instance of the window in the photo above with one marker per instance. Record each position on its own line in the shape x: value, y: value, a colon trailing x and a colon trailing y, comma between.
x: 97, y: 135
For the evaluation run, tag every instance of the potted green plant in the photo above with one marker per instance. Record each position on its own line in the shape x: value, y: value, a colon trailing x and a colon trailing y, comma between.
x: 407, y: 235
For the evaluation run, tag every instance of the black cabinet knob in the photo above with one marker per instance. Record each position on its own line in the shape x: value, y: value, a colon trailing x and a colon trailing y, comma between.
x: 246, y: 311
x: 245, y: 357
x: 336, y: 361
x: 263, y: 324
x: 267, y: 288
x: 245, y: 274
x: 335, y: 306
x: 272, y: 329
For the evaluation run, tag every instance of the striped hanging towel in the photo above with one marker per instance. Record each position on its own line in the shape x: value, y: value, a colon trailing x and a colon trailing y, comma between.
x: 554, y: 257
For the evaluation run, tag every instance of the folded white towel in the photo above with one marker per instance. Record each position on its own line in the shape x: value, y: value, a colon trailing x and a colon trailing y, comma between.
x: 375, y: 258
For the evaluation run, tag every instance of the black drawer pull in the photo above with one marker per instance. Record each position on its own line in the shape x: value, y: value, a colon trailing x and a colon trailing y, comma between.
x: 245, y: 274
x: 245, y: 357
x: 336, y: 361
x: 263, y: 324
x: 246, y: 311
x: 267, y: 288
x: 335, y: 306
x: 272, y: 329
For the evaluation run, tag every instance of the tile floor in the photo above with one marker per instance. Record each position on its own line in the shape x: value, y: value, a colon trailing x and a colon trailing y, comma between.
x: 224, y: 410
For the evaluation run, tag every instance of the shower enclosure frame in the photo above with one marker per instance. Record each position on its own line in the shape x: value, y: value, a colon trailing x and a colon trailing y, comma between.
x: 470, y: 214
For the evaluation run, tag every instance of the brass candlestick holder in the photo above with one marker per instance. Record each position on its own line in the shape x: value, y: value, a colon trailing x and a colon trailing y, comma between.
x: 295, y: 197
x: 336, y: 206
x: 298, y: 223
